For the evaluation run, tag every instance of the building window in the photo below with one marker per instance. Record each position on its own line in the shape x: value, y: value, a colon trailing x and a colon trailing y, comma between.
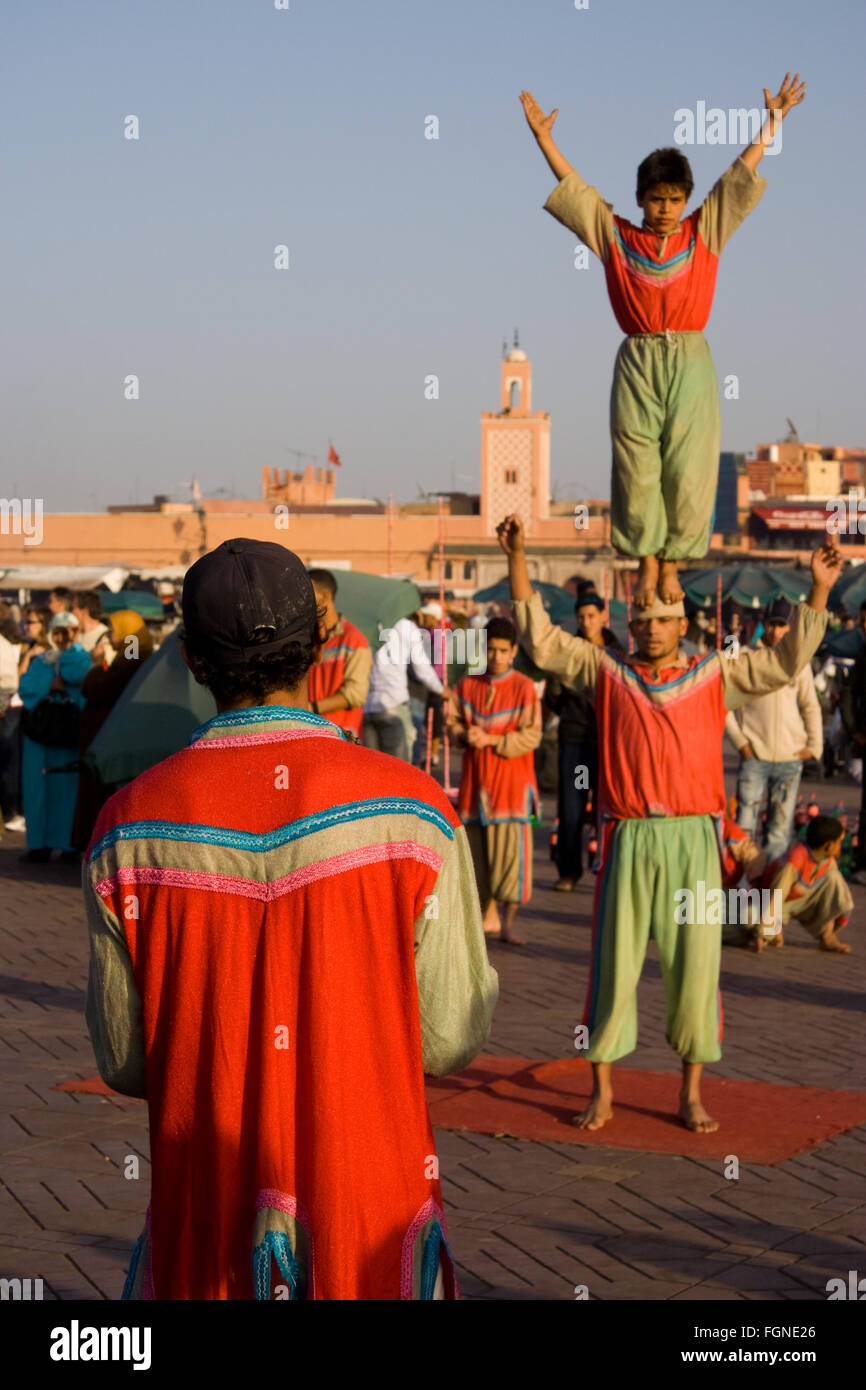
x: 514, y: 398
x: 448, y: 569
x: 511, y: 475
x: 467, y: 569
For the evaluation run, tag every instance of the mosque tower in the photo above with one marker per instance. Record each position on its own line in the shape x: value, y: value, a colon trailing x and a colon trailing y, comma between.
x: 515, y: 450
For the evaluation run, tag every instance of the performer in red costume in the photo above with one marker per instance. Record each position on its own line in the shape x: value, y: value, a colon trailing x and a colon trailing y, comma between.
x: 661, y: 717
x: 285, y: 935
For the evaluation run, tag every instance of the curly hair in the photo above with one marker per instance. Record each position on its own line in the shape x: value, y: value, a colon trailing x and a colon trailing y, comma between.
x: 260, y: 675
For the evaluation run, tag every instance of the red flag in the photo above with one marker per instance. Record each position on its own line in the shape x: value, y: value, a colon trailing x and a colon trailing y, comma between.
x: 333, y: 456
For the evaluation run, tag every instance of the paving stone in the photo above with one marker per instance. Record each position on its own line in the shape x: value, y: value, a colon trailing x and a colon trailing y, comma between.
x: 527, y: 1221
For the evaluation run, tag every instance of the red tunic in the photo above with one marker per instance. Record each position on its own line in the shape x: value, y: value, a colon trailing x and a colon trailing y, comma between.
x: 272, y: 947
x: 494, y: 788
x: 328, y: 674
x: 660, y: 740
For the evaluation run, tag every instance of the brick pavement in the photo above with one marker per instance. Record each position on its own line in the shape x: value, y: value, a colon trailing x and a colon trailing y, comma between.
x: 527, y: 1220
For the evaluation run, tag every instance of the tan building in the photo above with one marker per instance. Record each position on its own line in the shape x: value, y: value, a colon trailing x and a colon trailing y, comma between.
x: 301, y: 511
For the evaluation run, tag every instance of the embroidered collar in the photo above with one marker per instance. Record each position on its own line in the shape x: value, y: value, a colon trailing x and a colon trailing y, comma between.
x: 638, y: 664
x: 264, y: 723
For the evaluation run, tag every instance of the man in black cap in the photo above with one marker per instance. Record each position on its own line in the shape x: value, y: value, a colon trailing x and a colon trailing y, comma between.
x: 774, y: 735
x: 285, y: 935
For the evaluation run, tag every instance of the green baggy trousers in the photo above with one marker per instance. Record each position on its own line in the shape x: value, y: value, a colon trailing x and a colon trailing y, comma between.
x: 646, y: 863
x: 666, y: 431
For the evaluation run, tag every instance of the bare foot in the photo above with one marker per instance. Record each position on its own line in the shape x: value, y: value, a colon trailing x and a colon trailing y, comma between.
x: 777, y: 939
x: 647, y: 578
x: 491, y: 922
x: 563, y: 885
x: 756, y: 942
x: 509, y: 939
x: 596, y: 1114
x: 829, y: 941
x: 669, y: 587
x: 695, y: 1117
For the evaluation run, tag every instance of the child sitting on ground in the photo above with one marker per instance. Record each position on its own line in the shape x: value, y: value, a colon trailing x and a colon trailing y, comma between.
x: 814, y: 893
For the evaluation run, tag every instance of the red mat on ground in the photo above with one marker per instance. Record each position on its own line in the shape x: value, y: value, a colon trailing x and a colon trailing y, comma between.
x: 95, y: 1086
x: 760, y: 1122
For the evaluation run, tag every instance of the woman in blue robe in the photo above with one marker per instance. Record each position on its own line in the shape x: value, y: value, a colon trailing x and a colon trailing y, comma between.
x: 48, y: 794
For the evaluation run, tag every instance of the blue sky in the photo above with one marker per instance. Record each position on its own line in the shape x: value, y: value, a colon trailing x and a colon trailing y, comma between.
x: 408, y: 256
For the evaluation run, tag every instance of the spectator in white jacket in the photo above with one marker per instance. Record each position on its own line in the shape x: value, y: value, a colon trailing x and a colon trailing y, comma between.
x: 387, y: 716
x: 774, y: 735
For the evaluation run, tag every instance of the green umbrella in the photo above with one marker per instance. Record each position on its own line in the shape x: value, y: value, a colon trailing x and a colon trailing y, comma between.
x: 750, y: 585
x: 147, y: 605
x: 153, y: 718
x: 371, y: 601
x: 558, y: 603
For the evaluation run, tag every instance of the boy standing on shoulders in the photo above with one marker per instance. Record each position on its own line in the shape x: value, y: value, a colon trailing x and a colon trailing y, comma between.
x: 497, y: 717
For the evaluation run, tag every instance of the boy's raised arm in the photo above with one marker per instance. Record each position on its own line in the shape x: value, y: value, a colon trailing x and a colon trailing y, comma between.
x: 574, y: 202
x: 789, y: 95
x: 542, y: 128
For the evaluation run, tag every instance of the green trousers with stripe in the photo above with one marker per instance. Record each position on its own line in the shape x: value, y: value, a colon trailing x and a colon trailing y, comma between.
x: 646, y: 863
x: 666, y: 432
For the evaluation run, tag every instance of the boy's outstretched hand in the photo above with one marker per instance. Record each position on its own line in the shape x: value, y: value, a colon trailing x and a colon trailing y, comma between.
x: 540, y: 124
x: 788, y: 96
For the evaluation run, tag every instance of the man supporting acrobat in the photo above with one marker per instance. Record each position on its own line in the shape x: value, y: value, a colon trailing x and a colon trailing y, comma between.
x: 661, y: 717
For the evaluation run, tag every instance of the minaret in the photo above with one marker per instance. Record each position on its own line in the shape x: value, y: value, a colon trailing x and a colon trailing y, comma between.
x: 515, y: 450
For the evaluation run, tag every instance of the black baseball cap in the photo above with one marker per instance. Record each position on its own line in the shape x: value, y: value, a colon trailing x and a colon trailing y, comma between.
x: 587, y: 596
x: 246, y: 598
x: 779, y: 611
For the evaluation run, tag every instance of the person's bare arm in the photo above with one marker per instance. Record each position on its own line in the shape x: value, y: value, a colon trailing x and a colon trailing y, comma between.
x: 789, y: 95
x: 542, y: 128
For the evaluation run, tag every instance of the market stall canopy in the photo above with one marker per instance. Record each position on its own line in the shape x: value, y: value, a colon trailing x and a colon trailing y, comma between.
x: 793, y: 518
x: 153, y: 718
x: 843, y: 644
x: 147, y: 605
x: 371, y: 601
x: 63, y: 576
x: 849, y: 591
x: 750, y: 585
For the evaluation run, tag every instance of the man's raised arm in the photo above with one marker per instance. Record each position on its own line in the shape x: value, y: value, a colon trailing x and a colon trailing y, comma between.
x: 759, y: 671
x: 572, y: 659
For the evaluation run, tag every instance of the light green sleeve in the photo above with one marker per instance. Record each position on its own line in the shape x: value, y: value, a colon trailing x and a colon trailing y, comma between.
x: 457, y: 987
x: 572, y: 660
x: 581, y: 208
x: 728, y: 203
x: 113, y: 1011
x: 759, y: 670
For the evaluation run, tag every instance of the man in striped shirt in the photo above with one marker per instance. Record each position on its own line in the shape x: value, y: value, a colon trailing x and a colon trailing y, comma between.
x: 340, y: 679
